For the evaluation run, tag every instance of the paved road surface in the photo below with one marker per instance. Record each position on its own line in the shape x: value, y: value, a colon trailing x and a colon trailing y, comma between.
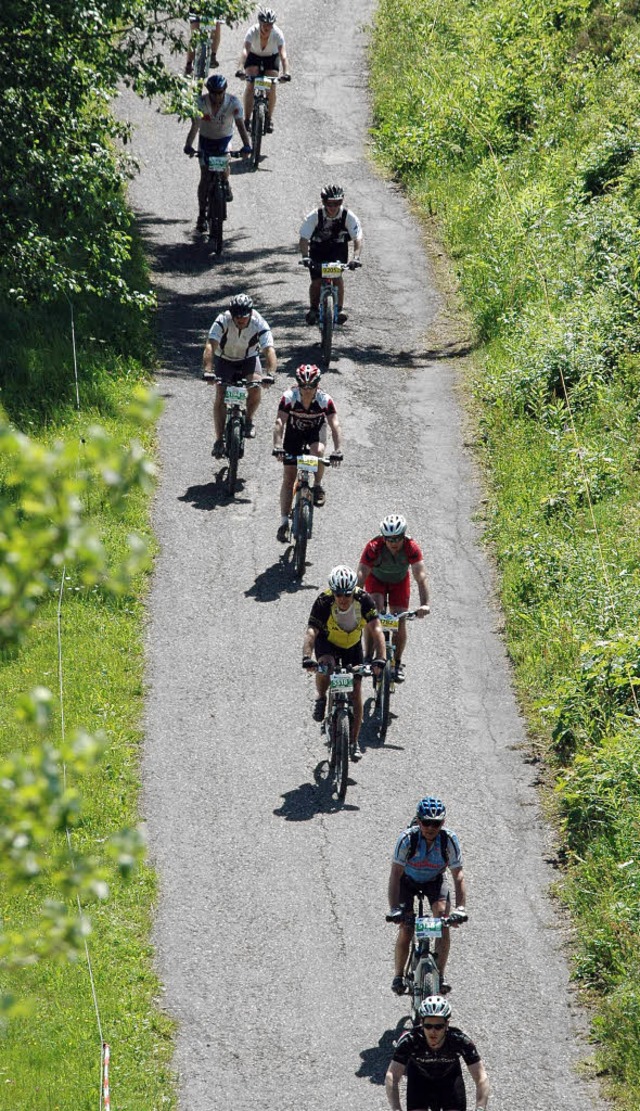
x: 270, y: 931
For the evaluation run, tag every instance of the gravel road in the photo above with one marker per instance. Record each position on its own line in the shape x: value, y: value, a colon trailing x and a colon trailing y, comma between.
x: 270, y: 931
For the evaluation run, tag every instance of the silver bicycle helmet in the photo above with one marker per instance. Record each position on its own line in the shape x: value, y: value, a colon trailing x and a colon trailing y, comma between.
x: 241, y: 305
x: 434, y: 1006
x: 342, y: 580
x: 431, y: 808
x: 393, y: 527
x: 266, y: 15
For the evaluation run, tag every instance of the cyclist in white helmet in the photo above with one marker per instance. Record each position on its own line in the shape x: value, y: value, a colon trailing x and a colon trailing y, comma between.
x: 264, y: 50
x: 334, y: 634
x: 384, y: 572
x: 429, y: 1055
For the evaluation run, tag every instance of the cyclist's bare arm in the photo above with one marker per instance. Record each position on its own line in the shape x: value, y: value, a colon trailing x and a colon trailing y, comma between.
x: 420, y: 576
x: 377, y: 636
x: 393, y: 890
x: 460, y: 887
x: 303, y: 245
x: 210, y: 350
x: 195, y: 127
x: 270, y: 359
x: 285, y: 61
x: 279, y: 427
x: 336, y: 431
x: 395, y: 1072
x: 309, y: 641
x: 479, y: 1075
x: 363, y: 572
x: 357, y: 247
x: 244, y: 134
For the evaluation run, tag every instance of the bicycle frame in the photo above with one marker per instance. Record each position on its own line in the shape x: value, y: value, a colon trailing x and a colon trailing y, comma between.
x: 331, y: 272
x: 303, y: 492
x: 216, y: 197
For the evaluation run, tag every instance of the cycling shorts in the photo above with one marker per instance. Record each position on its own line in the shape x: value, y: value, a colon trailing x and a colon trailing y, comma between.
x: 267, y: 63
x: 296, y: 442
x: 232, y: 370
x: 212, y: 146
x: 435, y: 891
x: 325, y: 647
x: 447, y: 1094
x: 397, y: 594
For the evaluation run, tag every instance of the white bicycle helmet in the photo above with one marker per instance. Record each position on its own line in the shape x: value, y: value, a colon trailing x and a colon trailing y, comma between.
x: 266, y: 15
x: 393, y: 527
x: 342, y: 580
x: 434, y: 1006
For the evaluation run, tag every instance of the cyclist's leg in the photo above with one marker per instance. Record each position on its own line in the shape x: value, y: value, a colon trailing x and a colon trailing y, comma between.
x: 253, y: 370
x: 440, y: 902
x: 203, y: 188
x: 326, y: 654
x: 215, y: 41
x: 251, y: 69
x: 399, y: 594
x: 405, y: 929
x: 224, y: 369
x: 318, y: 449
x: 191, y: 50
x: 314, y: 291
x: 339, y: 282
x: 378, y: 591
x: 272, y: 69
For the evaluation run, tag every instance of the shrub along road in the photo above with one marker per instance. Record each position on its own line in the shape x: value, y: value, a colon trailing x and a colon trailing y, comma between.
x: 270, y: 931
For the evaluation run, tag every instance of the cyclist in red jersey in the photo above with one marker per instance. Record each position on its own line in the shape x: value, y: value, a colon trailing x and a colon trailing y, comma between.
x: 383, y: 571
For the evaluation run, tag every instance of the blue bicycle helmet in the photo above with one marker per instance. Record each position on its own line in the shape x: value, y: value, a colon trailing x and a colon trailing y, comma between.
x: 216, y: 83
x: 431, y: 808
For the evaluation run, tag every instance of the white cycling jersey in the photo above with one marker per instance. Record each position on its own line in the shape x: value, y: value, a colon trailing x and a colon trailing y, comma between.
x: 219, y: 125
x: 310, y: 223
x: 235, y: 343
x: 274, y: 42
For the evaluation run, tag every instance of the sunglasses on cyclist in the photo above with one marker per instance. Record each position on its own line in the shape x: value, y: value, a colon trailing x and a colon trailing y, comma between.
x: 430, y: 823
x: 434, y: 1025
x: 343, y: 593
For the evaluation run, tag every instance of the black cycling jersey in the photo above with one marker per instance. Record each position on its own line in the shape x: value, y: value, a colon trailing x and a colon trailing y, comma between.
x: 435, y: 1064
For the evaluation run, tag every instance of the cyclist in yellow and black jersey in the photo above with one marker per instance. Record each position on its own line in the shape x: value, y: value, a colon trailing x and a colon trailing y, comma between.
x: 334, y: 633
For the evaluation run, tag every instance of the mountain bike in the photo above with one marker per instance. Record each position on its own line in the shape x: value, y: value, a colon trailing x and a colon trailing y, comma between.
x: 421, y: 976
x: 235, y: 426
x: 202, y: 59
x: 260, y: 118
x: 216, y: 205
x: 328, y: 307
x: 385, y: 685
x: 302, y: 511
x: 338, y: 722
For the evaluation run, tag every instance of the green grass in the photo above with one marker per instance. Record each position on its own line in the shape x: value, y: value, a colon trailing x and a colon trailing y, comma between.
x: 516, y: 131
x: 50, y: 1057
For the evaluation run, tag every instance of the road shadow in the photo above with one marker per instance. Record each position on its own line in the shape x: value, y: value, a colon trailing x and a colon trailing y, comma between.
x: 375, y: 1061
x: 211, y: 495
x: 277, y: 580
x: 303, y: 803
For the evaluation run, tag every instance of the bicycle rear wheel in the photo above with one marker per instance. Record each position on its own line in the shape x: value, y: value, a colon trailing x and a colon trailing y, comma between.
x: 303, y: 528
x: 327, y: 328
x: 216, y: 213
x: 202, y: 59
x: 426, y: 982
x: 233, y: 452
x: 383, y: 699
x: 257, y: 131
x: 339, y: 762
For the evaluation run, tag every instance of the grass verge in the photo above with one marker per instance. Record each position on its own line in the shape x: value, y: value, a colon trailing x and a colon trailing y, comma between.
x: 517, y: 130
x: 50, y: 1057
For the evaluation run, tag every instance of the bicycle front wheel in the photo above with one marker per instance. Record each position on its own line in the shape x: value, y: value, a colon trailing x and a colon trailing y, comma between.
x: 339, y: 763
x: 383, y: 699
x: 327, y: 328
x: 257, y: 131
x: 216, y: 213
x: 234, y: 443
x: 302, y: 531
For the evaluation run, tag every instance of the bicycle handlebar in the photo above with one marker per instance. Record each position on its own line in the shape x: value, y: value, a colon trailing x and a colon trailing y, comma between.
x: 353, y: 265
x: 265, y: 380
x: 456, y: 918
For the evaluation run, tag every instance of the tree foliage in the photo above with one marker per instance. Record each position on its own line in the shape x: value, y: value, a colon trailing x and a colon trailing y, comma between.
x: 63, y: 159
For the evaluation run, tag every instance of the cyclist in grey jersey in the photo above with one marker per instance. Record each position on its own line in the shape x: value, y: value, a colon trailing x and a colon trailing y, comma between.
x: 422, y: 855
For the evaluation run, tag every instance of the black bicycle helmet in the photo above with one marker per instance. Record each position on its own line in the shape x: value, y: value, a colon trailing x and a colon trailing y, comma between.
x: 216, y: 83
x: 332, y: 193
x: 241, y: 305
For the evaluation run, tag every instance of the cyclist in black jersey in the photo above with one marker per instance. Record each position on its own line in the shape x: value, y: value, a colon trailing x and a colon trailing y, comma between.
x: 429, y: 1055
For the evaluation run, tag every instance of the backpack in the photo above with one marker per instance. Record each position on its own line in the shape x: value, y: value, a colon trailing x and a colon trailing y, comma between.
x: 339, y: 234
x: 414, y: 841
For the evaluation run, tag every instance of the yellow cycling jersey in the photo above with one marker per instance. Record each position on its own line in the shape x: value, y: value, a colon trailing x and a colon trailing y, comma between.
x: 324, y: 617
